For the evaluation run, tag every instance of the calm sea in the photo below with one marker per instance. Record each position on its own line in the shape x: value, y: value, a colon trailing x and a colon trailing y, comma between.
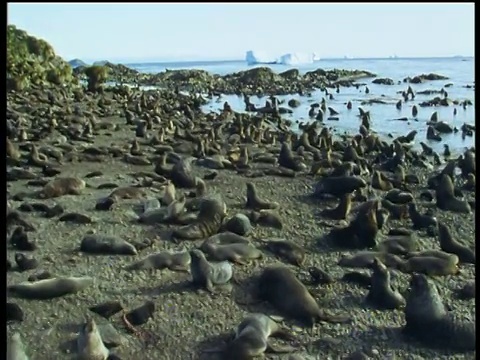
x: 459, y: 70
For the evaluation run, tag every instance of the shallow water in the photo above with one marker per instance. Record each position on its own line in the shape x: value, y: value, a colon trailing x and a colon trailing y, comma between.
x: 459, y: 70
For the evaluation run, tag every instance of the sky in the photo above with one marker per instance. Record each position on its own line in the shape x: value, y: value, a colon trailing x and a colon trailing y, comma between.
x: 216, y: 31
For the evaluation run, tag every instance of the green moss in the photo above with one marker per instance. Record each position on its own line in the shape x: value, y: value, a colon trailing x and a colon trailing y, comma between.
x: 33, y: 61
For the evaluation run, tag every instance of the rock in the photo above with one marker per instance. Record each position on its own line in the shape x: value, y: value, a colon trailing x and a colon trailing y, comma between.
x: 383, y: 81
x: 239, y: 224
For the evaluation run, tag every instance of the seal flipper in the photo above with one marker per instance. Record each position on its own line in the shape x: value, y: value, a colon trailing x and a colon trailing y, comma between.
x: 334, y: 319
x: 279, y: 349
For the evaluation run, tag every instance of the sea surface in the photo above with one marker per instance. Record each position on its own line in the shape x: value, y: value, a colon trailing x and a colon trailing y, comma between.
x: 459, y: 70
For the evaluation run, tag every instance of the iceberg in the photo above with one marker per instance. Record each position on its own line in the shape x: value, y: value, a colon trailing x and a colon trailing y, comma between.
x: 260, y: 57
x: 296, y: 58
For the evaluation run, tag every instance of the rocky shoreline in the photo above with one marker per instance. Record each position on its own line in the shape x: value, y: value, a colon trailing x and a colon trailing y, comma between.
x: 126, y: 147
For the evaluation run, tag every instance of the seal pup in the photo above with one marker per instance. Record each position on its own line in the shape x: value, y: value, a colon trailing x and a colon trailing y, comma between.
x: 382, y: 295
x: 168, y: 193
x: 289, y: 251
x: 465, y: 292
x: 450, y: 245
x: 266, y: 218
x: 470, y: 183
x: 364, y: 259
x: 209, y: 220
x: 279, y: 286
x: 16, y: 348
x: 252, y: 338
x: 428, y: 321
x: 89, y: 343
x: 103, y: 244
x: 175, y: 261
x: 206, y: 274
x: 50, y: 288
x: 420, y: 221
x: 62, y: 186
x: 239, y: 253
x: 14, y: 312
x: 445, y: 197
x: 254, y: 202
x: 430, y: 262
x: 341, y: 211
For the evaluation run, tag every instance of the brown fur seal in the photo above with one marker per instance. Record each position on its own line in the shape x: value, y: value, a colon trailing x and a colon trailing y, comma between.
x: 420, y: 221
x: 379, y: 182
x: 446, y: 199
x: 254, y: 202
x: 361, y: 232
x: 341, y: 211
x: 16, y: 348
x: 62, y: 186
x: 450, y: 245
x: 428, y: 321
x: 396, y: 211
x: 176, y: 261
x: 382, y: 295
x: 280, y: 287
x: 208, y: 222
x: 294, y: 254
x: 430, y: 263
x: 338, y: 185
x: 252, y: 338
x: 266, y: 218
x: 287, y: 160
x: 89, y: 343
x: 237, y: 253
x: 364, y: 259
x: 206, y: 274
x: 103, y: 244
x: 50, y: 288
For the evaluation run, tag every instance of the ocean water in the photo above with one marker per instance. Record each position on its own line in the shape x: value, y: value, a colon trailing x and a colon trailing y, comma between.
x: 460, y: 72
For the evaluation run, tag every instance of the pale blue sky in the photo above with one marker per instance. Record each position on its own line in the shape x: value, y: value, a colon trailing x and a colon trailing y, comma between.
x: 124, y: 32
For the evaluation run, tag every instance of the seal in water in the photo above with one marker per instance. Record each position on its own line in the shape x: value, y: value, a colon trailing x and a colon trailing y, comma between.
x: 279, y: 286
x: 50, y: 288
x: 428, y: 321
x: 176, y: 261
x: 254, y: 202
x: 206, y: 274
x: 381, y: 295
x: 252, y: 338
x: 89, y: 343
x: 16, y: 348
x: 450, y: 245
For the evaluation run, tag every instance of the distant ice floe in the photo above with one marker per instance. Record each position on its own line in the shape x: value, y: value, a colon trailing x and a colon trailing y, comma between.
x: 261, y: 57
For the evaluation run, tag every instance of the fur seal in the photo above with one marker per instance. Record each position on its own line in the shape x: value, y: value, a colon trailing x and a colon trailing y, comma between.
x: 398, y: 244
x: 445, y: 197
x: 466, y: 292
x: 341, y: 211
x: 254, y: 202
x: 364, y: 259
x: 266, y: 218
x: 89, y: 342
x: 361, y: 232
x: 209, y: 220
x: 14, y: 312
x: 50, y: 288
x: 279, y: 286
x: 428, y: 321
x: 239, y: 253
x: 206, y: 274
x: 16, y: 348
x: 338, y: 185
x: 420, y: 221
x: 287, y: 160
x: 168, y: 193
x: 25, y: 262
x: 141, y: 314
x: 181, y: 174
x: 107, y: 309
x: 450, y: 245
x: 252, y: 338
x: 20, y: 241
x: 382, y: 295
x: 289, y: 251
x: 176, y: 261
x: 319, y: 276
x: 109, y: 245
x: 432, y: 263
x: 62, y: 186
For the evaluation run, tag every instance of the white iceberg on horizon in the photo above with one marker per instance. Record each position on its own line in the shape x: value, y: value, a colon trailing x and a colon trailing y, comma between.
x: 261, y: 57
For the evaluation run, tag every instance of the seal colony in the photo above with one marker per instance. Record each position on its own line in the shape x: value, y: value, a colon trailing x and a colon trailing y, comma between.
x: 239, y: 208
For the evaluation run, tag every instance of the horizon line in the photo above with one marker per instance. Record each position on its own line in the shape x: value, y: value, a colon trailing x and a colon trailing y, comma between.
x: 147, y: 60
